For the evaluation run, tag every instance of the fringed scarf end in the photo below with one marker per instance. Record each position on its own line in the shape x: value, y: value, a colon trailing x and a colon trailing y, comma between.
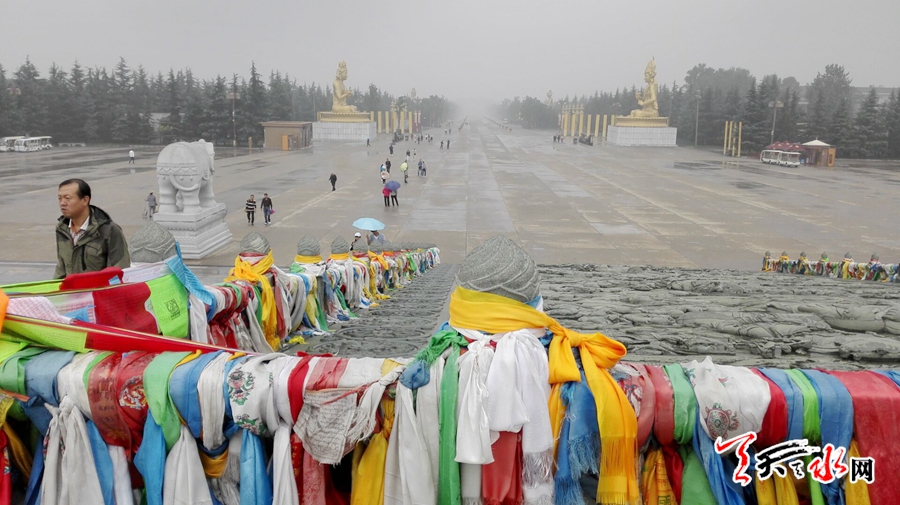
x: 584, y: 453
x: 567, y: 492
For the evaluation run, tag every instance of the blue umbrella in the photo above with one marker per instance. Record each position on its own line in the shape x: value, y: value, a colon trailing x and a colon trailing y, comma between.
x: 392, y: 185
x: 368, y: 223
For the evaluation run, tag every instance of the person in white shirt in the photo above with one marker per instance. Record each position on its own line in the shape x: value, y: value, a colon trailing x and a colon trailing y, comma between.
x: 131, y: 156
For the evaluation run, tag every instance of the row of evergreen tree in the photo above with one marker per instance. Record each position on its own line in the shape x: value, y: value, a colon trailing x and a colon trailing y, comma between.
x: 120, y: 106
x: 823, y: 109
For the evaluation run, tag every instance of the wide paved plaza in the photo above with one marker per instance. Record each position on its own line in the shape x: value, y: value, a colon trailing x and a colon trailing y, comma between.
x: 675, y: 207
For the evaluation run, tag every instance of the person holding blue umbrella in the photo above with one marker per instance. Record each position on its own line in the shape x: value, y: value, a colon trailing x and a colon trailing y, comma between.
x: 372, y: 225
x: 393, y: 186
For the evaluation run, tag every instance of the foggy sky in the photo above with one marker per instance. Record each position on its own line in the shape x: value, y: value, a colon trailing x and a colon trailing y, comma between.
x: 464, y: 49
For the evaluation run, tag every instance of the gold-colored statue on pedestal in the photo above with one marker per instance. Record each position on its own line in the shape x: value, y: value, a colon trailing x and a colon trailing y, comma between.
x: 340, y: 94
x: 648, y: 114
x: 341, y: 112
x: 647, y: 97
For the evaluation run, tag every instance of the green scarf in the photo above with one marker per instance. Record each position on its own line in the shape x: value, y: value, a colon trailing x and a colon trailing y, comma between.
x: 449, y: 491
x: 156, y: 390
x: 695, y: 488
x: 12, y: 377
x: 169, y: 299
x: 685, y: 404
x: 811, y: 427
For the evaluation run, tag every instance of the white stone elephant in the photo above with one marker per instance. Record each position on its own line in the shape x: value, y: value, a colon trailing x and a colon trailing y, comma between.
x: 184, y: 172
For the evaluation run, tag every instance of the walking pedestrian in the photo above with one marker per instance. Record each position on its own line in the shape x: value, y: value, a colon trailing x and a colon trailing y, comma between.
x: 424, y: 168
x: 267, y: 209
x: 151, y: 205
x: 403, y: 168
x: 250, y: 207
x: 394, y: 198
x: 414, y: 153
x: 384, y: 176
x: 387, y: 165
x: 367, y: 142
x: 387, y: 196
x: 442, y: 144
x: 333, y: 180
x: 131, y: 156
x: 391, y: 148
x: 448, y: 144
x: 87, y: 239
x: 407, y: 154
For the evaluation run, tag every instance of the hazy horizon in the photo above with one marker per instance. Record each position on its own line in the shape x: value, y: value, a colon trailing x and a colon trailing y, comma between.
x: 468, y: 51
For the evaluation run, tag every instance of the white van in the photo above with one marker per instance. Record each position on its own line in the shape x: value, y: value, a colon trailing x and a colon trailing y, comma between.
x: 788, y: 159
x: 8, y: 144
x: 769, y: 156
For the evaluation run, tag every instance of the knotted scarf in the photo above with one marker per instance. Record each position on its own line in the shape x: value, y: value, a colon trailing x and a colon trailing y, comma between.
x: 253, y: 269
x: 413, y: 484
x: 642, y: 396
x: 616, y: 419
x: 835, y: 421
x: 185, y: 481
x: 370, y: 476
x: 876, y: 424
x: 664, y: 426
x: 12, y: 376
x: 256, y: 485
x: 307, y: 259
x: 103, y: 395
x: 857, y: 492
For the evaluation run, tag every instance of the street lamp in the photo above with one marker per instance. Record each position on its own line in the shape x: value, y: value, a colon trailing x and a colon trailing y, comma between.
x: 775, y: 106
x: 697, y: 120
x: 233, y: 95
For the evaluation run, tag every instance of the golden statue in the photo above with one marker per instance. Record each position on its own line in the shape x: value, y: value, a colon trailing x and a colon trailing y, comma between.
x: 647, y: 97
x: 340, y: 95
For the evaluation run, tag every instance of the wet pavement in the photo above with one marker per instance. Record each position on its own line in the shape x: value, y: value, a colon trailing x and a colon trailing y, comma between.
x: 674, y: 207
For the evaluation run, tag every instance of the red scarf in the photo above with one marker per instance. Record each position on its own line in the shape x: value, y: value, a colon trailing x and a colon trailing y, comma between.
x: 501, y: 481
x: 664, y: 426
x: 876, y: 425
x: 104, y: 399
x: 775, y: 422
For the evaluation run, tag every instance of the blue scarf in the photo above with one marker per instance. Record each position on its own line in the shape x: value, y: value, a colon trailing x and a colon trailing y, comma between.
x: 40, y: 386
x: 150, y: 461
x: 579, y: 442
x: 835, y: 420
x: 890, y: 374
x: 183, y: 390
x: 103, y: 463
x: 794, y: 400
x: 256, y: 485
x: 726, y: 491
x: 191, y: 282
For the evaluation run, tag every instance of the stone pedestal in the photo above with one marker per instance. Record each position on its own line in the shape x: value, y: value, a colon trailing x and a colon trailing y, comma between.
x: 199, y: 234
x: 344, y: 131
x: 641, y: 136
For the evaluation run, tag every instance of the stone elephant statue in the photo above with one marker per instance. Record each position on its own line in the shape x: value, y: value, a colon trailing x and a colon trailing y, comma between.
x: 184, y: 172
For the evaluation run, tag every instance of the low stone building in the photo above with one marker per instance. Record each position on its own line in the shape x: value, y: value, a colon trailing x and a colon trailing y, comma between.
x: 287, y: 135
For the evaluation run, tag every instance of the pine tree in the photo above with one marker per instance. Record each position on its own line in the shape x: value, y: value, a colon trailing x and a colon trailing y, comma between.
x: 892, y: 125
x: 254, y: 107
x: 5, y: 99
x: 59, y: 105
x: 171, y: 126
x: 31, y: 102
x: 869, y: 134
x: 840, y: 130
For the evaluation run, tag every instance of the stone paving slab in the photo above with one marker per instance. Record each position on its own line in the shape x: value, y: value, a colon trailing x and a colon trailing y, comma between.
x: 564, y: 203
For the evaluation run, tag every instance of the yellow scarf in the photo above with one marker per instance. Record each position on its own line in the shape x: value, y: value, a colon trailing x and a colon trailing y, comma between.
x: 379, y: 258
x: 615, y: 416
x: 857, y: 492
x: 654, y: 480
x: 339, y: 257
x: 307, y: 259
x: 776, y: 491
x: 368, y: 471
x: 245, y: 271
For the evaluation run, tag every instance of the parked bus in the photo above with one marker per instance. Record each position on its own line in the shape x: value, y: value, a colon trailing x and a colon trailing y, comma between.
x: 8, y: 144
x: 770, y: 157
x: 788, y: 159
x: 30, y: 144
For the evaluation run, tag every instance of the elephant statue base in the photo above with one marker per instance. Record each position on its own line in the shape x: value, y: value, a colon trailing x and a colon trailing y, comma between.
x: 187, y: 205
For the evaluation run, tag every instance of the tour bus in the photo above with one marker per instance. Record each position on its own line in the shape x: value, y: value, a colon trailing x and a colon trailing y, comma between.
x: 8, y: 144
x: 769, y: 156
x: 788, y: 159
x: 30, y: 144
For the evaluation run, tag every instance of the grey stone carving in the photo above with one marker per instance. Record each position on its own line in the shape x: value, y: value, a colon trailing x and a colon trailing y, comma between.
x: 151, y: 244
x: 499, y: 266
x: 308, y: 246
x: 254, y: 242
x: 339, y: 246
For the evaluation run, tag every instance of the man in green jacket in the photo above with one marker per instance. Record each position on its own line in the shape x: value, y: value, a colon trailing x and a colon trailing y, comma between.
x: 87, y: 239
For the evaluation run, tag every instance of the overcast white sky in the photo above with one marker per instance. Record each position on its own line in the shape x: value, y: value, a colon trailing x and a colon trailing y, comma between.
x: 463, y: 49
